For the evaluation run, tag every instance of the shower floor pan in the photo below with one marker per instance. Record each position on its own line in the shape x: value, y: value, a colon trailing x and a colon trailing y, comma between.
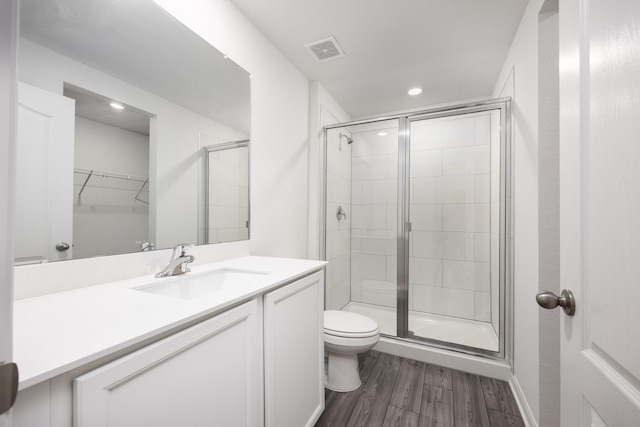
x: 432, y: 326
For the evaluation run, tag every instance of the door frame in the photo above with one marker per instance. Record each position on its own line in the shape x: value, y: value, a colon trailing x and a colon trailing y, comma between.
x: 8, y: 93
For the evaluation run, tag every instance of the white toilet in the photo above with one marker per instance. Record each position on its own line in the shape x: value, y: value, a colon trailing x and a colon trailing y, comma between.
x: 346, y: 335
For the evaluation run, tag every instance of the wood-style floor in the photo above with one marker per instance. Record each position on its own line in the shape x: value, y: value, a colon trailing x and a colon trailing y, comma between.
x: 404, y: 392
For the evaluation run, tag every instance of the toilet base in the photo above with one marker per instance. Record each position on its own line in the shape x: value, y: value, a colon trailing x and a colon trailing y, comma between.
x: 342, y: 372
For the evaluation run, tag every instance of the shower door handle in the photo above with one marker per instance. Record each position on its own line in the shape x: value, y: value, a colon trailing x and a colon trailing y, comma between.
x: 549, y: 300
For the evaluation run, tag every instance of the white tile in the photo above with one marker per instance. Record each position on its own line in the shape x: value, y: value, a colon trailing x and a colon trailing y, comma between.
x: 458, y: 161
x: 483, y: 306
x: 425, y: 271
x: 369, y: 216
x: 426, y: 217
x: 482, y: 220
x: 392, y: 166
x: 392, y: 268
x: 495, y: 248
x: 444, y: 132
x: 370, y: 167
x: 482, y: 159
x: 385, y: 191
x: 426, y: 244
x: 457, y: 189
x: 458, y: 246
x: 379, y: 292
x: 483, y: 247
x: 392, y: 217
x: 356, y: 289
x: 482, y: 188
x: 495, y: 217
x: 459, y: 217
x: 367, y: 188
x: 356, y: 244
x: 459, y: 274
x: 495, y: 186
x: 482, y: 129
x: 444, y: 301
x: 483, y: 276
x: 426, y: 190
x: 426, y: 163
x: 356, y: 193
x: 379, y: 245
x: 369, y: 266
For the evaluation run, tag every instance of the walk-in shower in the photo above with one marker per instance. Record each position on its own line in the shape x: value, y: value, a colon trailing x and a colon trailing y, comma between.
x: 416, y: 224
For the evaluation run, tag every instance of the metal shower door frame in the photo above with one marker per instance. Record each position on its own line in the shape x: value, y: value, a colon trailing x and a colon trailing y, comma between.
x: 404, y: 226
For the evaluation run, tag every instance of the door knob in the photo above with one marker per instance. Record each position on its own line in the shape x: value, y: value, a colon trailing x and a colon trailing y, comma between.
x: 62, y: 246
x: 549, y: 300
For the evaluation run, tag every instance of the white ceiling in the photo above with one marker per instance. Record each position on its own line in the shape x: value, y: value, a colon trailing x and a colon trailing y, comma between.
x: 453, y: 48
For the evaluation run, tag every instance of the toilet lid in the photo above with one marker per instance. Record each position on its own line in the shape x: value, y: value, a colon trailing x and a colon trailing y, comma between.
x: 347, y: 324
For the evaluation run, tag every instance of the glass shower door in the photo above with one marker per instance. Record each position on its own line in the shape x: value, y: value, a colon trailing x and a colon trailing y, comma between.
x: 454, y: 242
x: 362, y: 220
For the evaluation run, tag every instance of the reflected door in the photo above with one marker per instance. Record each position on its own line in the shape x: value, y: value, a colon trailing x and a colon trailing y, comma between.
x: 44, y: 176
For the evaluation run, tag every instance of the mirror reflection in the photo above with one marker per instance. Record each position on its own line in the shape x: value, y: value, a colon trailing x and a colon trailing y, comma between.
x: 116, y: 102
x: 226, y: 192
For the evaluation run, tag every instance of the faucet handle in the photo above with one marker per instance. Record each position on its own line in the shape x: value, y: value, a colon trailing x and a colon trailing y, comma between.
x: 181, y: 250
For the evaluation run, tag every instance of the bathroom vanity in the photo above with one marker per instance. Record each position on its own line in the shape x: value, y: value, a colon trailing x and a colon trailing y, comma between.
x: 237, y: 342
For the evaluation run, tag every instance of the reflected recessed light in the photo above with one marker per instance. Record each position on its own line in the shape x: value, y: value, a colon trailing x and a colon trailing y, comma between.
x: 413, y: 91
x: 383, y: 133
x: 117, y: 106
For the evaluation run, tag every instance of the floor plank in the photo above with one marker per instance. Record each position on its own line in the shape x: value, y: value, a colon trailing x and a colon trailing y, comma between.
x: 407, y: 391
x: 398, y: 417
x: 436, y: 409
x: 438, y: 376
x: 502, y: 419
x: 372, y: 404
x: 498, y: 396
x: 468, y: 402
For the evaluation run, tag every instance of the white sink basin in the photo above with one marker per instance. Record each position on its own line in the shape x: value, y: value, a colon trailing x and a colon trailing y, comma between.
x: 190, y: 286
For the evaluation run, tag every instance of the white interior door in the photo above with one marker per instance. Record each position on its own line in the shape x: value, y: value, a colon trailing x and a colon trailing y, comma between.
x: 600, y: 210
x: 44, y: 175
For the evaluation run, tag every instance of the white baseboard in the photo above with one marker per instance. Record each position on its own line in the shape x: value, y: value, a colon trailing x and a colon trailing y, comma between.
x: 527, y: 415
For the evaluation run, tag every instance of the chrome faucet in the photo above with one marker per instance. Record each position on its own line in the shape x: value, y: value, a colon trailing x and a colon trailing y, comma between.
x: 178, y: 263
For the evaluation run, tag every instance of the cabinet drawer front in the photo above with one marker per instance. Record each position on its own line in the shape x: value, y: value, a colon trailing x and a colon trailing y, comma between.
x: 202, y: 376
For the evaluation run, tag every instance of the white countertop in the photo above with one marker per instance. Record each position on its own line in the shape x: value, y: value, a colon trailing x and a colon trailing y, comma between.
x: 59, y: 332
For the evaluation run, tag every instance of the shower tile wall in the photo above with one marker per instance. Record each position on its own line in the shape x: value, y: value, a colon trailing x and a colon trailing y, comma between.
x: 228, y: 195
x: 337, y: 232
x: 450, y: 245
x: 374, y: 227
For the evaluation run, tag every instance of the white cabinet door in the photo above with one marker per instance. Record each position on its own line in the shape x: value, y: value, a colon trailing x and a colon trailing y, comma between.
x: 294, y: 353
x: 203, y: 376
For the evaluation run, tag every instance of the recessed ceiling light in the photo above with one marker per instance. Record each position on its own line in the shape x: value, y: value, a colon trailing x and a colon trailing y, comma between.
x: 383, y: 133
x: 117, y: 106
x: 413, y: 91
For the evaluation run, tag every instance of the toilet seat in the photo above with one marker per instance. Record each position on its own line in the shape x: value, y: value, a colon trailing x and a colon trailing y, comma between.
x: 349, y: 325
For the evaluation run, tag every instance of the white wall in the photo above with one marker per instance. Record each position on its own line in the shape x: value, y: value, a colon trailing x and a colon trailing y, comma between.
x: 323, y: 111
x: 522, y: 65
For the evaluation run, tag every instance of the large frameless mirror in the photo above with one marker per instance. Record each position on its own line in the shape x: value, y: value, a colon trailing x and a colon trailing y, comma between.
x: 116, y: 101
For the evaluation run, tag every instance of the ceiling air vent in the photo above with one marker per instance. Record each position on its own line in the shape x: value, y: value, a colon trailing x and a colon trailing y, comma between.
x: 325, y: 49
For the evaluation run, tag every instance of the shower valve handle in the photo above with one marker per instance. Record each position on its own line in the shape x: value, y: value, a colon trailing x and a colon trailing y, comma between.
x: 549, y: 300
